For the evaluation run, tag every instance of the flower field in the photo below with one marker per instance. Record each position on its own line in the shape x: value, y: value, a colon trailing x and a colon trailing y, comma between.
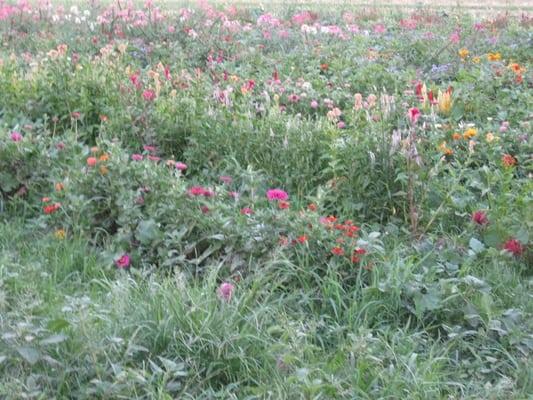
x: 227, y: 202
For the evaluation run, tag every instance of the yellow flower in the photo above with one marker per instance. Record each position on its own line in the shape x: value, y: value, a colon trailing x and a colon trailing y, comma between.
x: 476, y: 60
x: 494, y: 56
x: 60, y: 234
x: 444, y: 102
x: 463, y: 53
x: 470, y: 133
x: 456, y: 136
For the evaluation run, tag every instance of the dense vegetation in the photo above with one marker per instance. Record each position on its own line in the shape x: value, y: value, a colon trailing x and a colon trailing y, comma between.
x: 233, y: 203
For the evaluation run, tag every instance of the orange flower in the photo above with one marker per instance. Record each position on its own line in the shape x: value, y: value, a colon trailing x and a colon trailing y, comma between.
x: 59, y: 187
x: 302, y: 239
x: 494, y: 56
x: 91, y: 161
x: 508, y: 160
x: 456, y: 136
x: 470, y: 133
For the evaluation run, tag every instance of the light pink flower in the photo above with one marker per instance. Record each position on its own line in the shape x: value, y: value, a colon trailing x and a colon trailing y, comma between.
x: 181, y: 166
x: 225, y: 291
x: 137, y: 157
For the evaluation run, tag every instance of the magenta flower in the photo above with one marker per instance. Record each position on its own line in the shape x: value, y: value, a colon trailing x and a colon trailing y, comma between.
x: 225, y: 291
x: 277, y: 194
x: 181, y: 166
x: 414, y: 114
x: 123, y: 262
x: 16, y: 136
x: 137, y: 157
x: 480, y: 217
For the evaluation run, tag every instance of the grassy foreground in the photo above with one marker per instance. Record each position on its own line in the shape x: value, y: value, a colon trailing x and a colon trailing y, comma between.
x: 229, y: 203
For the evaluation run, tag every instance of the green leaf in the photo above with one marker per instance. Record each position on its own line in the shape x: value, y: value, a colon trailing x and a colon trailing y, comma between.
x: 147, y: 231
x: 476, y: 246
x: 54, y: 339
x: 30, y: 354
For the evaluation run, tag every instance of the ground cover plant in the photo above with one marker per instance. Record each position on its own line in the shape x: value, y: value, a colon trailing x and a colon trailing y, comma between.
x: 233, y: 202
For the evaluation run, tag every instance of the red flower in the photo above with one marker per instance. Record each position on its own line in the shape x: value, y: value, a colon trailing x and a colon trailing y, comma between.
x: 514, y: 247
x: 312, y: 207
x: 338, y: 251
x: 480, y: 218
x: 301, y: 239
x: 52, y: 208
x: 91, y: 161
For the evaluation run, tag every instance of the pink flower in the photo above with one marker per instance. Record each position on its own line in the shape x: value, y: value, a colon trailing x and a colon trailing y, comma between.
x: 455, y: 38
x: 60, y: 146
x: 234, y: 195
x: 226, y: 179
x: 225, y: 291
x: 204, y: 209
x: 247, y: 211
x: 380, y: 28
x: 150, y: 149
x: 413, y: 114
x: 294, y: 98
x: 154, y: 158
x: 277, y: 194
x: 137, y: 157
x: 149, y: 95
x: 341, y: 125
x: 123, y: 262
x: 314, y: 104
x: 16, y: 136
x: 200, y: 191
x: 514, y: 247
x: 480, y: 218
x: 181, y: 166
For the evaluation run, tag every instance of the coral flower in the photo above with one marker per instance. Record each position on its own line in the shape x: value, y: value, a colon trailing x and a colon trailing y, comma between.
x: 123, y: 262
x: 508, y: 160
x: 225, y: 291
x: 283, y: 205
x: 247, y: 211
x: 277, y: 194
x: 91, y: 161
x: 514, y: 247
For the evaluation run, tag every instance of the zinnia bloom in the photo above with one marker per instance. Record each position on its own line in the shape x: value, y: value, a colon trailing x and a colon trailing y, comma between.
x: 283, y: 205
x: 247, y: 211
x: 277, y: 194
x: 225, y: 291
x: 514, y: 247
x: 149, y: 95
x: 480, y: 217
x: 137, y: 157
x: 338, y: 251
x: 16, y: 136
x: 508, y: 160
x: 414, y: 115
x: 123, y: 262
x: 181, y: 166
x: 91, y: 161
x: 52, y: 208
